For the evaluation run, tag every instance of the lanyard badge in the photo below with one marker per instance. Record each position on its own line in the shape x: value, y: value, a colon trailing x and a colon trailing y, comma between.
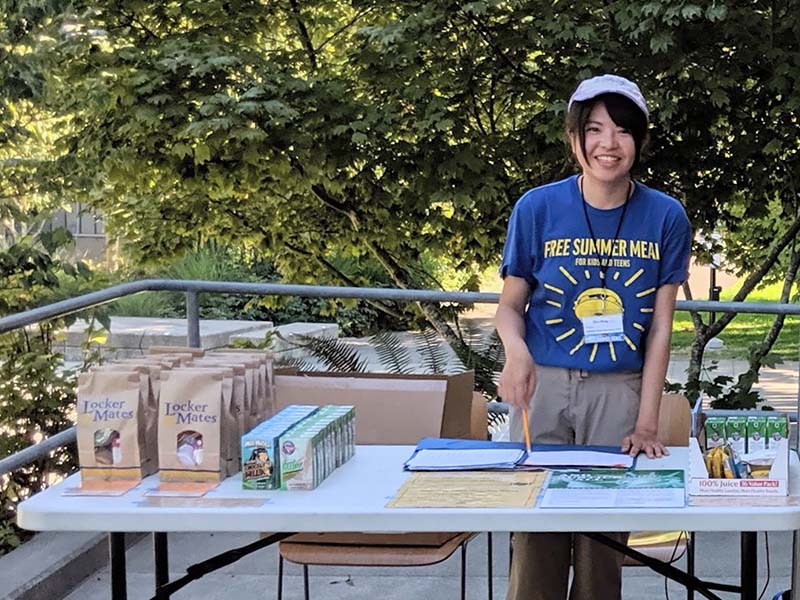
x: 600, y: 309
x: 600, y: 312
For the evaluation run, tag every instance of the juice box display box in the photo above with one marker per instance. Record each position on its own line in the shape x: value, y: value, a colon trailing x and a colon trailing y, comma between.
x: 776, y: 484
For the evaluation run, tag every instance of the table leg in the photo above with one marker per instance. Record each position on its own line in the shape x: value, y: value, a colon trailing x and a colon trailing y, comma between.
x: 161, y: 560
x: 489, y: 565
x: 690, y: 561
x: 116, y: 551
x: 749, y: 565
x: 795, y: 594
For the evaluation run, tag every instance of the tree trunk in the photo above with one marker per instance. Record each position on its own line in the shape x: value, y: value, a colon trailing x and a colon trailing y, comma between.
x: 749, y: 377
x: 703, y: 333
x: 695, y: 366
x: 432, y: 312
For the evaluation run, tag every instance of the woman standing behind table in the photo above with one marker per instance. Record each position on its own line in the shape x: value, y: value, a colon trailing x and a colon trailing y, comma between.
x: 591, y: 268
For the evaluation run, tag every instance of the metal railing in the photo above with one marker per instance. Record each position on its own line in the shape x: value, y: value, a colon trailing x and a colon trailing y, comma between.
x: 193, y: 288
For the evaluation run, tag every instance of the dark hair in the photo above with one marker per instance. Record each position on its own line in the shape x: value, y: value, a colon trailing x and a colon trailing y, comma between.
x: 622, y: 111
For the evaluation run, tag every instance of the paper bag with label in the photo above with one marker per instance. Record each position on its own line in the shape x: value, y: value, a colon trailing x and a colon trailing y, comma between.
x: 239, y: 395
x: 195, y: 352
x: 264, y: 405
x: 149, y: 383
x: 195, y: 425
x: 111, y: 427
x: 231, y: 409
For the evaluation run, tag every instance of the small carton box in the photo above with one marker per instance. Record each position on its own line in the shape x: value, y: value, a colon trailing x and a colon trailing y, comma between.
x: 777, y: 430
x: 260, y: 452
x: 715, y: 432
x: 776, y: 484
x: 756, y: 433
x: 299, y: 470
x: 736, y: 433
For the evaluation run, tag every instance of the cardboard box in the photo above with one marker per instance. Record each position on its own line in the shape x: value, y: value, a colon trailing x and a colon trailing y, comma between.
x: 777, y: 484
x: 390, y: 409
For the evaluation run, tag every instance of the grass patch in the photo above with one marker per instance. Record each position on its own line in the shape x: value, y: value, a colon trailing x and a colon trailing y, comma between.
x: 745, y: 330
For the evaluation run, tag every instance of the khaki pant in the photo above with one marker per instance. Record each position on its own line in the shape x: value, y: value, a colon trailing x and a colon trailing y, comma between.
x: 573, y: 406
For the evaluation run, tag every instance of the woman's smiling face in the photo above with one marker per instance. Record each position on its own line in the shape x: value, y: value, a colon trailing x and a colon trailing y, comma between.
x: 610, y: 149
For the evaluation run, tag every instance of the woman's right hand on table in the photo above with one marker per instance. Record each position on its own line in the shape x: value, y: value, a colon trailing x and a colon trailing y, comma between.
x: 518, y: 379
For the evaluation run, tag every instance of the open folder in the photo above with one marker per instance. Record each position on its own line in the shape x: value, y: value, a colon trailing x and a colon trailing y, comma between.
x: 443, y: 454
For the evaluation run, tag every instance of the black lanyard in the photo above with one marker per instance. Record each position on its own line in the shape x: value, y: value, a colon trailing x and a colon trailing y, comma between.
x: 604, y: 264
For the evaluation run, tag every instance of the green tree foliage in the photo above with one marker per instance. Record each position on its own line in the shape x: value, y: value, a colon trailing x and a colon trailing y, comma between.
x: 308, y: 129
x: 36, y: 393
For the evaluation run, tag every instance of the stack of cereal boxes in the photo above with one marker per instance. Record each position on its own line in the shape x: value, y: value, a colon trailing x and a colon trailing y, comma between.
x: 298, y: 448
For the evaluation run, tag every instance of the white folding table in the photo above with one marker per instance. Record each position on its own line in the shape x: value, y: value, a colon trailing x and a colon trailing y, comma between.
x: 354, y: 497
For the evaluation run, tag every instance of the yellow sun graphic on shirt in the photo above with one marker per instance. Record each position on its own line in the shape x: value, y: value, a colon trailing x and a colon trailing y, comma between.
x: 595, y: 301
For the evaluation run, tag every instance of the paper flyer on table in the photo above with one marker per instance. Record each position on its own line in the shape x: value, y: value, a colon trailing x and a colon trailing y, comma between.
x: 578, y: 458
x: 612, y: 488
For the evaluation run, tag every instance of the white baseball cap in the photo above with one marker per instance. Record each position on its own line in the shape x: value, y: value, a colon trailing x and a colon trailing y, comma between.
x: 609, y: 84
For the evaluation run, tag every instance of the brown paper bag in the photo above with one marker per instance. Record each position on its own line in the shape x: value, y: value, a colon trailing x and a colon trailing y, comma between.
x: 243, y: 379
x: 112, y: 426
x: 165, y: 361
x: 265, y: 405
x: 195, y: 352
x: 150, y: 383
x: 196, y: 425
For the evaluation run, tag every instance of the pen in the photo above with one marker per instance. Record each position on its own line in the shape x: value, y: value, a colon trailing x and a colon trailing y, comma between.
x: 526, y: 429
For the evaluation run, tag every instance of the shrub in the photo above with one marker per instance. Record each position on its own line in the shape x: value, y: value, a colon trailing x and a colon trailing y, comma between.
x: 37, y: 396
x: 213, y: 263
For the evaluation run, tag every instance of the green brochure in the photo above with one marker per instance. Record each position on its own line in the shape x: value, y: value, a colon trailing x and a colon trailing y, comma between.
x: 615, y: 488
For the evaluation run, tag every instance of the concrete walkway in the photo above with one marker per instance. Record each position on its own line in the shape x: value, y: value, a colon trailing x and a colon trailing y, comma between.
x: 255, y: 577
x: 779, y: 386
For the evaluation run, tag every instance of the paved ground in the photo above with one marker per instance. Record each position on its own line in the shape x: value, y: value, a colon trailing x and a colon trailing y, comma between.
x: 255, y: 576
x: 778, y: 386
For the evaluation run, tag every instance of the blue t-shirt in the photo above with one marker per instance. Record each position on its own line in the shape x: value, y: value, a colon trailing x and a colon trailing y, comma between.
x: 549, y: 245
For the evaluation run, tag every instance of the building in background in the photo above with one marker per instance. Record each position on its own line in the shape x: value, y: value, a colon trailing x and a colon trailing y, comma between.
x: 88, y: 230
